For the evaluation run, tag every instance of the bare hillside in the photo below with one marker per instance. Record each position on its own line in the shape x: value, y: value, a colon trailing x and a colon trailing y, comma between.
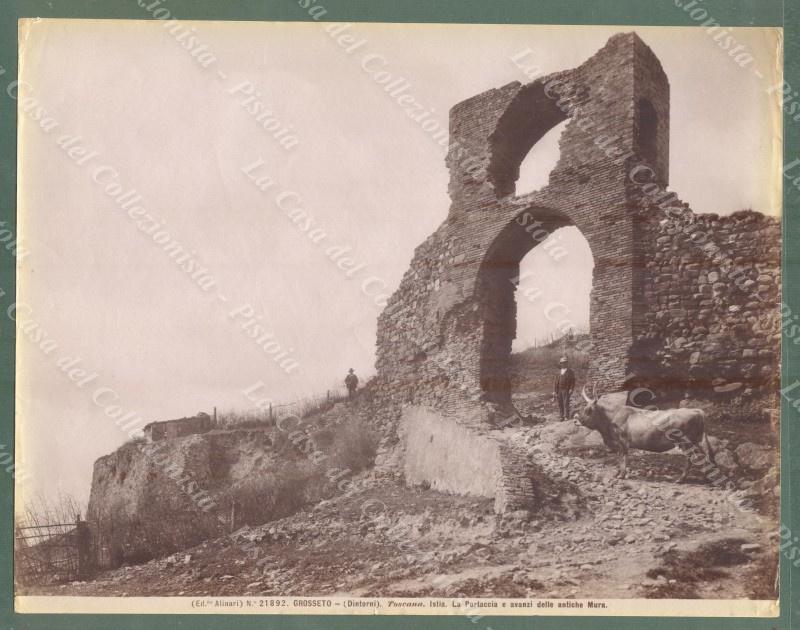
x: 644, y: 536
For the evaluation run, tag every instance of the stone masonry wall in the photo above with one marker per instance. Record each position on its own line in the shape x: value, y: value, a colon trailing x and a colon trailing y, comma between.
x: 445, y: 336
x: 711, y: 294
x: 658, y: 312
x: 454, y: 456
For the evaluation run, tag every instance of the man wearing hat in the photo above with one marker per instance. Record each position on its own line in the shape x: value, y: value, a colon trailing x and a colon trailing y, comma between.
x: 565, y: 383
x: 351, y: 381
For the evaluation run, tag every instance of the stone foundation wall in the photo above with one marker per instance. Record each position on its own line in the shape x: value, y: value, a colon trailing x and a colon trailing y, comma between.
x: 447, y: 456
x: 453, y: 456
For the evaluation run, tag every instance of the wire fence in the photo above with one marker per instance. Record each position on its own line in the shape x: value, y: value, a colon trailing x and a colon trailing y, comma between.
x: 301, y: 407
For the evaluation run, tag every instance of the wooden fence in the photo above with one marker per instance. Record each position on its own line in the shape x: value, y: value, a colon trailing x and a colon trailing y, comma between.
x: 51, y: 553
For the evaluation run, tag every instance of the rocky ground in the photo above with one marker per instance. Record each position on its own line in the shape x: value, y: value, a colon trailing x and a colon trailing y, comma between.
x: 641, y: 537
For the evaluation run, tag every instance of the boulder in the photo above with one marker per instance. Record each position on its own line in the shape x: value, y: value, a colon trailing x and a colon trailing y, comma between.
x: 768, y: 485
x: 725, y: 459
x: 754, y: 456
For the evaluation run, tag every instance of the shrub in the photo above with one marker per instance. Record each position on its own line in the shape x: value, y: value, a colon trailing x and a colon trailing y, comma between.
x: 350, y: 446
x: 273, y: 496
x: 244, y: 419
x: 320, y: 404
x: 354, y: 446
x: 159, y: 530
x: 42, y: 510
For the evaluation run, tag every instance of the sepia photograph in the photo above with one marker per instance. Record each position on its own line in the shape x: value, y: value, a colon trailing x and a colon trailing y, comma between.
x: 375, y: 318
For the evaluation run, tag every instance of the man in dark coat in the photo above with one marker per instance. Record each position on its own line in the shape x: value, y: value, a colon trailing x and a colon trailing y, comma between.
x: 351, y: 381
x: 565, y: 383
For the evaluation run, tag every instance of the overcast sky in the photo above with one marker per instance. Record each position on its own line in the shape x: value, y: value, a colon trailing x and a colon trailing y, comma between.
x: 369, y: 176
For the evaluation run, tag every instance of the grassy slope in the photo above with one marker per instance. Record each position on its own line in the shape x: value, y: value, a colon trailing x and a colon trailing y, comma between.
x: 534, y: 369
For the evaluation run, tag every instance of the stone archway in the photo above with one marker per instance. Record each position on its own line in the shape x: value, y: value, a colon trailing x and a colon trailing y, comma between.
x: 495, y: 292
x: 446, y: 329
x: 657, y: 312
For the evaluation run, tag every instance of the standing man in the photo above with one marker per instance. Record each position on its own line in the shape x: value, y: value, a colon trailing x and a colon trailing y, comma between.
x: 565, y: 383
x: 351, y: 381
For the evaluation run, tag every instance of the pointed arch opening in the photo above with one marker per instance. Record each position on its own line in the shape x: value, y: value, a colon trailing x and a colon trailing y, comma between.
x: 530, y: 116
x: 553, y: 298
x: 534, y: 289
x: 536, y: 166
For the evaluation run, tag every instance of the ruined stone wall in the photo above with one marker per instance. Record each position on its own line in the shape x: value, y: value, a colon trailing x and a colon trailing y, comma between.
x: 444, y: 339
x: 151, y: 497
x: 711, y: 297
x: 658, y: 314
x: 188, y: 426
x: 453, y: 454
x: 448, y: 456
x: 180, y: 427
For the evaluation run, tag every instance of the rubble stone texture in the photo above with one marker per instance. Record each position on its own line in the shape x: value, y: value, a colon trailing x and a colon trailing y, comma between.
x: 679, y: 300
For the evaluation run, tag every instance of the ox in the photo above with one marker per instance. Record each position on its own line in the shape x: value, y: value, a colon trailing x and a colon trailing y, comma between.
x: 623, y: 427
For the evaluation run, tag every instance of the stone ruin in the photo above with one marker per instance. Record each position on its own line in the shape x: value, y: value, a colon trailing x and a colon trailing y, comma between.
x: 180, y: 427
x: 679, y: 301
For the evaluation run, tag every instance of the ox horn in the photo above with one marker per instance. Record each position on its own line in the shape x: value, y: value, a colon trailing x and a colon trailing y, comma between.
x: 586, y: 398
x: 594, y: 391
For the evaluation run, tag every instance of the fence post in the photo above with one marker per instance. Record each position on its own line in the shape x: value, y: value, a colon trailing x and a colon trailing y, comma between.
x: 83, y: 543
x: 271, y: 418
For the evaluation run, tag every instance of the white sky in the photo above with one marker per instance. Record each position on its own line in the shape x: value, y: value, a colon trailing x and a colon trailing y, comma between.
x: 367, y: 173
